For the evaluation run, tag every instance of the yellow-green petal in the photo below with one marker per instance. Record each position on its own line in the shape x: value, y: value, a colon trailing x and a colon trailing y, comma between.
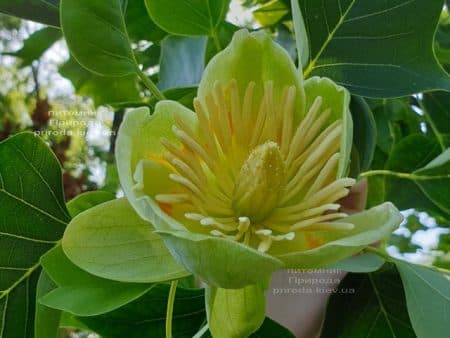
x: 235, y: 313
x: 370, y: 226
x: 218, y: 261
x: 254, y: 57
x: 140, y: 162
x: 337, y: 99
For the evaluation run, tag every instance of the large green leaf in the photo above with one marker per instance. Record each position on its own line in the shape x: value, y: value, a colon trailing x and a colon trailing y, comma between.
x: 46, y: 323
x: 139, y: 25
x: 96, y: 35
x: 124, y: 246
x: 368, y: 305
x: 367, y: 262
x: 394, y: 55
x: 33, y: 219
x: 81, y: 293
x: 146, y: 316
x: 428, y: 299
x: 47, y: 319
x: 416, y: 177
x: 437, y: 105
x: 182, y: 61
x: 188, y: 17
x: 42, y: 11
x: 437, y: 115
x: 36, y: 44
x: 102, y: 89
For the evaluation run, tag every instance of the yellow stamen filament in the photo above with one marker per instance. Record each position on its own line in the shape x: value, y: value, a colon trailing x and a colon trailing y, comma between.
x: 233, y: 131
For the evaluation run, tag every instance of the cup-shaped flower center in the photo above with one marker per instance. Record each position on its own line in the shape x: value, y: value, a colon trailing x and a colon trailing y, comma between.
x: 260, y: 182
x: 257, y: 175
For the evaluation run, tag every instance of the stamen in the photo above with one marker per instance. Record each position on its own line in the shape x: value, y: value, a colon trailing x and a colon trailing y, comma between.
x: 186, y: 183
x: 291, y: 214
x: 325, y: 174
x: 329, y: 192
x: 288, y: 119
x: 205, y: 128
x: 193, y: 216
x: 265, y: 244
x: 214, y: 112
x: 210, y: 221
x: 224, y: 122
x: 297, y: 145
x: 311, y: 221
x: 330, y: 226
x: 257, y: 129
x: 247, y: 116
x: 172, y: 198
x: 236, y: 120
x: 193, y: 146
x: 269, y: 130
x: 244, y: 224
x: 324, y: 135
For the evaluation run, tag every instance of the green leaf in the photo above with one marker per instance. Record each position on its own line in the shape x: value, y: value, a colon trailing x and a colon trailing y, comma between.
x: 145, y: 317
x: 188, y: 17
x: 395, y: 120
x: 47, y: 319
x: 368, y: 305
x: 102, y: 89
x: 428, y: 299
x: 360, y: 263
x: 88, y: 200
x: 394, y: 55
x: 437, y: 114
x: 185, y: 96
x: 42, y: 11
x: 225, y: 31
x: 36, y: 44
x: 271, y: 13
x: 81, y: 293
x: 370, y: 226
x: 270, y: 329
x: 301, y: 35
x: 124, y: 245
x: 364, y: 131
x: 96, y: 35
x: 33, y: 219
x: 411, y: 182
x: 46, y: 323
x: 235, y: 313
x: 139, y: 25
x: 182, y: 61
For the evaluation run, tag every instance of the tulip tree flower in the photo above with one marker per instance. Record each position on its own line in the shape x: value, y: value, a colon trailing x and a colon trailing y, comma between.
x: 249, y: 183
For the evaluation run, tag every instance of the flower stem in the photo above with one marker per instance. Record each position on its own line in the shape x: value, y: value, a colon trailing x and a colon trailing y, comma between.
x: 201, y: 332
x: 170, y: 303
x: 150, y: 85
